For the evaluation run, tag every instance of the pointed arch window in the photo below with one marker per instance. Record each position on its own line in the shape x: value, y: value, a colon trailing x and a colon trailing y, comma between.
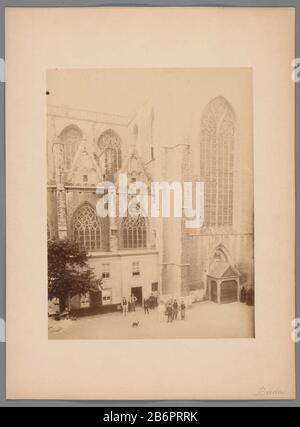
x: 86, y: 228
x: 217, y: 162
x: 221, y: 254
x: 71, y: 138
x: 109, y: 145
x: 134, y: 232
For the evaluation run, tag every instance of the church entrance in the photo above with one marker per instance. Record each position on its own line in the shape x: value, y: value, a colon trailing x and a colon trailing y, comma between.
x: 229, y: 291
x: 214, y: 291
x: 223, y: 280
x: 223, y: 291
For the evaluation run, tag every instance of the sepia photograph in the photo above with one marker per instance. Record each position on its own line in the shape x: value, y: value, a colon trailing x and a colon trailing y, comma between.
x: 150, y: 204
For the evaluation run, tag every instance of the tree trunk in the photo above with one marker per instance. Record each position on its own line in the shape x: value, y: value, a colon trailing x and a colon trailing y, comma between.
x: 62, y: 304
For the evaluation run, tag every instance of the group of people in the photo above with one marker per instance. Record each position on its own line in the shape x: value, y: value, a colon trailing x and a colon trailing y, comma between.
x: 171, y: 309
x: 128, y: 305
x: 150, y: 303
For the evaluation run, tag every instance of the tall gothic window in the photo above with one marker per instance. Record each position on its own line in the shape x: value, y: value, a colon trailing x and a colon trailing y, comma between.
x: 110, y: 152
x: 71, y: 138
x: 134, y: 232
x: 216, y: 162
x: 86, y: 228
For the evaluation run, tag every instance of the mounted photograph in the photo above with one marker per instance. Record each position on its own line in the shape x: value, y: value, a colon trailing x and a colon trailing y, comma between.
x: 150, y: 203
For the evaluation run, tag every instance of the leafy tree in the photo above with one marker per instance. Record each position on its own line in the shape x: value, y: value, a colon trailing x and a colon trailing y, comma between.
x: 68, y: 271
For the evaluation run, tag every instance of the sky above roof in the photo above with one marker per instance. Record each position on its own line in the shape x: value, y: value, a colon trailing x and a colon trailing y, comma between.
x: 119, y: 92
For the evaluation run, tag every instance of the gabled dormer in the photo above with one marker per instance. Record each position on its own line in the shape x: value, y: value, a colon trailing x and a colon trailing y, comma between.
x: 135, y: 169
x: 85, y: 171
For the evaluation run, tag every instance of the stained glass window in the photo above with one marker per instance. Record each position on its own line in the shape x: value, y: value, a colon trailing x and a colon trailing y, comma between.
x: 71, y: 138
x: 110, y: 151
x: 86, y: 228
x: 134, y: 232
x: 216, y: 162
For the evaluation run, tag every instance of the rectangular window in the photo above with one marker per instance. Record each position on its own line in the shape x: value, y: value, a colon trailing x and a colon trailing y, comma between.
x: 106, y: 297
x: 136, y: 269
x: 85, y: 301
x: 105, y: 271
x: 155, y: 287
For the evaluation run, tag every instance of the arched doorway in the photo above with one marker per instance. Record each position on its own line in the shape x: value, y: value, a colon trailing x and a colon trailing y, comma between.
x: 229, y: 291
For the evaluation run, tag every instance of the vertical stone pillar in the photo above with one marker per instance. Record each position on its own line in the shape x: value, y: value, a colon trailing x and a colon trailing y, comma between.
x: 219, y: 291
x: 58, y: 155
x: 185, y: 234
x: 113, y: 235
x: 61, y: 212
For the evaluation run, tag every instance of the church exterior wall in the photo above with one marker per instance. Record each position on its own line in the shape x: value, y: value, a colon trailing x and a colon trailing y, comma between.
x: 165, y: 136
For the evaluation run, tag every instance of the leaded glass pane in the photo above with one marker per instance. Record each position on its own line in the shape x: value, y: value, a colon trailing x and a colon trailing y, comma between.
x: 134, y: 231
x: 70, y: 138
x: 110, y: 146
x: 87, y: 228
x: 216, y: 162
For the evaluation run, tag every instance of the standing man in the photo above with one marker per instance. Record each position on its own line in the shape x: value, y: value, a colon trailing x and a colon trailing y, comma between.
x: 133, y: 300
x: 175, y: 309
x: 146, y: 306
x: 151, y: 302
x: 124, y: 304
x: 170, y: 312
x: 182, y: 310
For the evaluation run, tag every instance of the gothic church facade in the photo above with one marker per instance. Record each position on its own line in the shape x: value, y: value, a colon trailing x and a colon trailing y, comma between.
x: 206, y: 139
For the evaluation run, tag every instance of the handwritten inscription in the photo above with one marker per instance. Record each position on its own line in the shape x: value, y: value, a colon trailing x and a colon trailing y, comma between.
x: 269, y: 392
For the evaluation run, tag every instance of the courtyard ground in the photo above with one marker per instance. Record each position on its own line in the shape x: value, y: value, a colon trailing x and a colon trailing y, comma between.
x: 203, y: 320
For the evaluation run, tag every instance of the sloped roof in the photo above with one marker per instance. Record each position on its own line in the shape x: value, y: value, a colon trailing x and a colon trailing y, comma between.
x: 87, y: 165
x: 220, y: 270
x: 134, y: 164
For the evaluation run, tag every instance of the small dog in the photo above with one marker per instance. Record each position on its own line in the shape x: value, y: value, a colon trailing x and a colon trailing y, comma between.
x: 135, y: 324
